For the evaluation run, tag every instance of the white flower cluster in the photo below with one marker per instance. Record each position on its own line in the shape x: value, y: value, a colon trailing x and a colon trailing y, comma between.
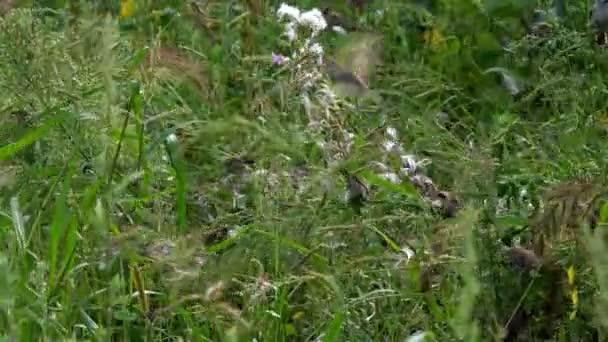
x: 410, y: 169
x: 312, y: 19
x: 306, y: 75
x: 409, y: 165
x: 317, y: 98
x: 338, y: 148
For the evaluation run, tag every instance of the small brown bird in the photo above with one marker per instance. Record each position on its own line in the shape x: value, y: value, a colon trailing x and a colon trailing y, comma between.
x: 357, y: 192
x: 348, y: 83
x: 353, y: 64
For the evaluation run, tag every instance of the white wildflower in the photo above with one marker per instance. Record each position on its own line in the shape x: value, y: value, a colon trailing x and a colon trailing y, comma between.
x: 313, y: 19
x: 409, y: 253
x: 419, y: 336
x: 290, y: 31
x: 523, y: 192
x: 436, y: 203
x: 273, y: 314
x: 172, y: 138
x: 409, y: 164
x: 317, y: 49
x: 233, y: 232
x: 389, y: 145
x: 288, y: 11
x: 380, y: 166
x: 391, y: 132
x: 391, y: 177
x: 260, y: 173
x: 309, y: 79
x: 421, y: 180
x: 338, y: 30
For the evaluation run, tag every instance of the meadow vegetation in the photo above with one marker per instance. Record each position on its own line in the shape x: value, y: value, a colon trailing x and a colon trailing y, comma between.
x: 185, y: 170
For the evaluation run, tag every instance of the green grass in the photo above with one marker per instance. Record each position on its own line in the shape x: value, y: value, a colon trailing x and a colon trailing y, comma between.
x: 127, y: 211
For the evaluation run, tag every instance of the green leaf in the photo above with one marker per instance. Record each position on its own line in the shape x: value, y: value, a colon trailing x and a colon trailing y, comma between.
x: 604, y: 213
x: 511, y: 220
x: 487, y: 42
x: 61, y: 219
x: 137, y: 59
x: 30, y: 137
x: 69, y: 247
x: 387, y: 239
x: 125, y: 315
x: 62, y: 233
x: 335, y: 327
x: 290, y: 330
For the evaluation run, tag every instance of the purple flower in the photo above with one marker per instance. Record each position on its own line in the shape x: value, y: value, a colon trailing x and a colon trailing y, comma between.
x: 278, y: 59
x: 165, y: 250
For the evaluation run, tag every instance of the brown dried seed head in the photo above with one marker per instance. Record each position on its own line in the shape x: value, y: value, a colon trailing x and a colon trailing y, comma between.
x: 215, y: 291
x: 6, y: 6
x: 523, y: 258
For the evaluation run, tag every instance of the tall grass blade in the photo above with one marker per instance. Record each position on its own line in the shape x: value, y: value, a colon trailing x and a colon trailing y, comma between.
x: 18, y: 223
x: 60, y: 232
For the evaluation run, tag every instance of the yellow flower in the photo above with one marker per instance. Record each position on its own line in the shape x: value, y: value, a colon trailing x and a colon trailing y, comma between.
x: 571, y: 275
x: 574, y: 299
x: 573, y: 291
x: 298, y: 316
x: 434, y: 38
x: 127, y: 8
